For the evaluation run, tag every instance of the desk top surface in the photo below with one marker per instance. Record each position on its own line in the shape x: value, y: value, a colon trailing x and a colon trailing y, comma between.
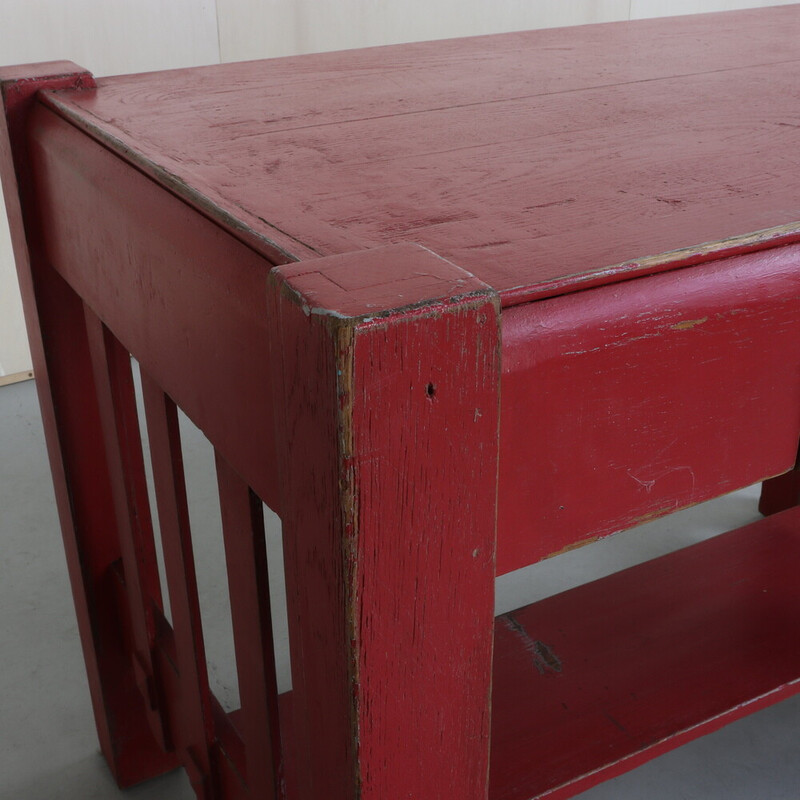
x: 542, y: 161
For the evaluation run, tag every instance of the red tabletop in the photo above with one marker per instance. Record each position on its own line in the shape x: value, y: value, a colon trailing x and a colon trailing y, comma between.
x: 541, y: 161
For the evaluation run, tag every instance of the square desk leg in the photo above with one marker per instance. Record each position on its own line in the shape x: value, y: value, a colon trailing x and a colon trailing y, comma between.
x: 62, y: 363
x: 387, y: 387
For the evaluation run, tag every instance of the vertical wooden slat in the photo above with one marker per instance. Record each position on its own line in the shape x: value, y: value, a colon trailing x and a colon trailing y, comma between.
x: 195, y: 728
x: 120, y: 424
x: 246, y: 558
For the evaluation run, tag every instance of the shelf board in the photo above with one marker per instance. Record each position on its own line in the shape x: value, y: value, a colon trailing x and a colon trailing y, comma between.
x: 599, y: 679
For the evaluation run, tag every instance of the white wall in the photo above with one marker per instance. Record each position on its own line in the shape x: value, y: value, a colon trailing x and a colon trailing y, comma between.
x: 641, y: 9
x: 256, y: 28
x: 117, y: 36
x: 108, y: 37
x: 263, y: 28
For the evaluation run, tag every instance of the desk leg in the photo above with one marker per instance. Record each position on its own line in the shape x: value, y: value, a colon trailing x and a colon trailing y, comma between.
x: 54, y: 316
x: 387, y: 424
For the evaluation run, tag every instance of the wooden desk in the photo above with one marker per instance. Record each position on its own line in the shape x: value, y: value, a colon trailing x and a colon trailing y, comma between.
x: 448, y: 308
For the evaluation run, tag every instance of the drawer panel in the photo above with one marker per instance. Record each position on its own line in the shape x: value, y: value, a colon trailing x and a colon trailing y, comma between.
x: 627, y: 402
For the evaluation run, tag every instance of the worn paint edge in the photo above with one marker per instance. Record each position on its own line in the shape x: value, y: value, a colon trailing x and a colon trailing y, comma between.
x: 573, y: 546
x: 283, y: 248
x: 663, y: 745
x: 764, y: 239
x: 341, y: 331
x: 428, y: 307
x: 344, y: 358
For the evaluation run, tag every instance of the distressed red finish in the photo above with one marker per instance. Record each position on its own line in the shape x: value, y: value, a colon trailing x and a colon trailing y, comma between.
x: 541, y: 161
x: 309, y: 257
x: 647, y: 396
x: 174, y: 285
x: 594, y: 681
x: 411, y: 571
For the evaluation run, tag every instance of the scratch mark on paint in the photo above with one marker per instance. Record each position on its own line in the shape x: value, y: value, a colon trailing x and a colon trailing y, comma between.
x: 647, y: 485
x: 486, y: 245
x: 544, y: 658
x: 567, y: 201
x: 614, y: 722
x: 671, y: 201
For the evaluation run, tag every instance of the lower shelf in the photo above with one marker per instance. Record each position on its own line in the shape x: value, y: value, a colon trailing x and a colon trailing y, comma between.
x: 596, y: 680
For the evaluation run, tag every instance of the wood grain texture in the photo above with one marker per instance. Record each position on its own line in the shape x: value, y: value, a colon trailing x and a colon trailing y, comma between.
x: 389, y: 448
x: 479, y: 149
x: 627, y: 402
x: 596, y: 680
x: 65, y: 384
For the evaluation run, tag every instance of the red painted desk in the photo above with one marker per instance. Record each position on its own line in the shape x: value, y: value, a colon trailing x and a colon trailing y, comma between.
x: 449, y: 309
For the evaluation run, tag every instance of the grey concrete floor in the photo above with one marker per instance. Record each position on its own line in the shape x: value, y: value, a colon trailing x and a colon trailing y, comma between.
x: 48, y: 748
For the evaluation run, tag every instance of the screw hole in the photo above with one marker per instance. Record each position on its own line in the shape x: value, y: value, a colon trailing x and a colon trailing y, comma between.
x: 430, y: 390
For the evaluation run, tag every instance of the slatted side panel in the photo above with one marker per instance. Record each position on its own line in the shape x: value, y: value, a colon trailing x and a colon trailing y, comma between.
x: 227, y: 756
x: 120, y: 426
x: 197, y: 727
x: 172, y: 285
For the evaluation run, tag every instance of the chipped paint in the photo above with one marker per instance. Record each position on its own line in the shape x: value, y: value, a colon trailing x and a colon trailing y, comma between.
x: 651, y: 515
x: 573, y: 546
x: 688, y: 323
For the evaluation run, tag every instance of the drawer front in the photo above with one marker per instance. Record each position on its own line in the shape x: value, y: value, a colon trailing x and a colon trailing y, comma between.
x: 627, y: 402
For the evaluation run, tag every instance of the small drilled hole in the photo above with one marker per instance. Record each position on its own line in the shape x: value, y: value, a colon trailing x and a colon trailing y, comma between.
x: 430, y: 390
